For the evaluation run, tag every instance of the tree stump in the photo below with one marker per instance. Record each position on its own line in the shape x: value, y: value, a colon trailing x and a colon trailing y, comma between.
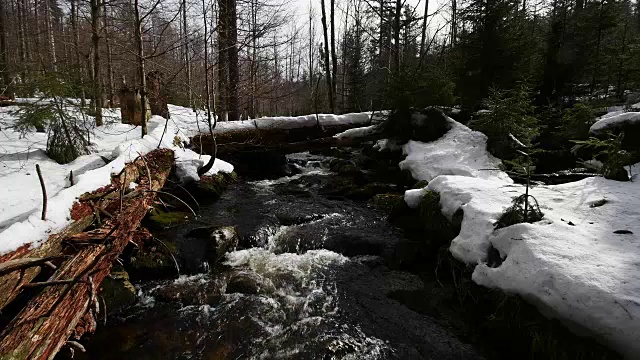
x: 131, y: 106
x: 156, y: 94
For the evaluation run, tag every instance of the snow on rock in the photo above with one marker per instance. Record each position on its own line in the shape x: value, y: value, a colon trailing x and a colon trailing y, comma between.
x: 483, y: 201
x: 461, y: 151
x: 579, y: 264
x: 357, y: 132
x: 618, y: 121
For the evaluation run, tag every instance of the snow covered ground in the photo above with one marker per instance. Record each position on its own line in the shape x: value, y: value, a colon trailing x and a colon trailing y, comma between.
x: 579, y: 264
x: 21, y: 204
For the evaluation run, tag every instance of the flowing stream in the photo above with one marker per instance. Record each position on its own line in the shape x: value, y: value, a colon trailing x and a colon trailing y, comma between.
x: 310, y: 280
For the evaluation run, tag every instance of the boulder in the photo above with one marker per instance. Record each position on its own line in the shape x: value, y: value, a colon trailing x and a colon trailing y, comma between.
x: 628, y: 122
x: 421, y: 125
x: 187, y: 293
x: 220, y: 240
x: 244, y: 282
x: 117, y: 291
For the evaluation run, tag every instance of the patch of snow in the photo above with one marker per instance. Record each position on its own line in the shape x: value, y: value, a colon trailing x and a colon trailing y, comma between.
x: 20, y: 210
x: 357, y: 132
x: 414, y: 196
x: 572, y: 264
x: 615, y: 121
x: 461, y: 151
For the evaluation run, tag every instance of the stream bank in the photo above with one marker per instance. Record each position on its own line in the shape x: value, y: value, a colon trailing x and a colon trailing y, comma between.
x: 319, y: 273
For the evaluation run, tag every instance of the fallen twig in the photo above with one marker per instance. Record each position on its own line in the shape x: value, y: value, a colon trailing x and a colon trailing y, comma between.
x: 177, y: 198
x: 25, y: 263
x: 175, y: 262
x: 44, y: 193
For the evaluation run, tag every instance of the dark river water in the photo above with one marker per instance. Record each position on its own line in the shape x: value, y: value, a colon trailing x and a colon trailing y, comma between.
x: 315, y: 285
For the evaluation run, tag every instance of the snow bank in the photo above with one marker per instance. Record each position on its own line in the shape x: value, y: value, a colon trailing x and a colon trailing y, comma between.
x: 579, y: 264
x: 461, y: 151
x: 20, y: 209
x: 615, y: 122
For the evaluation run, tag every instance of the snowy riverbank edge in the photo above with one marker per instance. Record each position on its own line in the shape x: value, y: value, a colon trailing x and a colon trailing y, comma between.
x: 20, y: 210
x: 579, y: 264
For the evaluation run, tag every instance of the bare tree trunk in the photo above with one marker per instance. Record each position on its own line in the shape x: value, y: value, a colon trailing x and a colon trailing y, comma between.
x: 187, y: 59
x: 596, y: 62
x: 311, y: 47
x: 454, y: 19
x: 423, y: 39
x: 51, y: 45
x: 326, y: 59
x: 234, y: 74
x: 223, y: 58
x: 22, y: 45
x: 76, y: 44
x: 96, y: 10
x: 5, y: 80
x: 107, y: 42
x: 211, y: 124
x: 141, y: 70
x: 252, y: 63
x: 396, y: 36
x: 334, y: 58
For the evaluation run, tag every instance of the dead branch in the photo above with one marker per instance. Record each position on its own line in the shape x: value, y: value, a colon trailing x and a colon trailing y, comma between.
x: 44, y: 193
x: 25, y: 263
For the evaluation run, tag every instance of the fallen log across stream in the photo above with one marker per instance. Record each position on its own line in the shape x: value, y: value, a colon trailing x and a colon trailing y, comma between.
x: 282, y: 141
x: 65, y: 305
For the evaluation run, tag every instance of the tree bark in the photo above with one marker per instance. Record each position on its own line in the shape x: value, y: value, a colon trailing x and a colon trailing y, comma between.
x: 187, y: 59
x: 5, y: 80
x: 107, y: 42
x: 326, y: 59
x: 51, y: 44
x: 234, y: 74
x: 334, y: 58
x: 396, y: 38
x: 223, y: 58
x: 96, y: 13
x: 141, y: 68
x: 58, y: 309
x: 423, y: 39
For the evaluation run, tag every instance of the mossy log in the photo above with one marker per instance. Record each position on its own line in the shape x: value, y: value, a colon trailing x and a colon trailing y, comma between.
x: 67, y: 305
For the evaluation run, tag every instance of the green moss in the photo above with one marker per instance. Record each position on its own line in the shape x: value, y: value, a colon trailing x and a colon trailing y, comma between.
x: 421, y: 184
x: 386, y: 202
x: 436, y: 225
x: 117, y: 291
x: 162, y: 220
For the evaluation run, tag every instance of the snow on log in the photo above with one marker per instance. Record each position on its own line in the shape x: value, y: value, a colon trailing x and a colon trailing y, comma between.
x: 66, y: 306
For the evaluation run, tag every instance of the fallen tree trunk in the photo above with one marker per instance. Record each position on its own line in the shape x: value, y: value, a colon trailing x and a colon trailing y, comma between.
x: 67, y: 305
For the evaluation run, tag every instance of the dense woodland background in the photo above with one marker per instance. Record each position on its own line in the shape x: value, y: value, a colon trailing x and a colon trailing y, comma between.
x: 256, y: 58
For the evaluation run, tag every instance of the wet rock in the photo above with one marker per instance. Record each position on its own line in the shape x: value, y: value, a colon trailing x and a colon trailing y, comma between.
x: 225, y: 239
x: 211, y: 186
x: 117, y: 291
x: 160, y: 220
x: 198, y: 292
x: 369, y: 190
x: 244, y: 282
x: 420, y: 184
x: 154, y: 261
x: 421, y: 125
x: 386, y: 201
x: 214, y: 243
